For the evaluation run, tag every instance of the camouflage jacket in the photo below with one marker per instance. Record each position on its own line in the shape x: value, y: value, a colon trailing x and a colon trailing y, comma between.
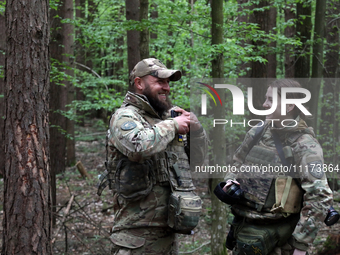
x: 137, y: 134
x: 307, y: 152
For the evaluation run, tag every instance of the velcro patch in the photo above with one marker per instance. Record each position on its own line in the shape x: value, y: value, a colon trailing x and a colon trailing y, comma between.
x: 315, y: 169
x: 128, y: 125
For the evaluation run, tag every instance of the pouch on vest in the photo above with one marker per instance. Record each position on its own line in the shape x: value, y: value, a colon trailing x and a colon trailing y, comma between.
x: 184, y: 211
x: 256, y: 190
x: 134, y: 180
x: 288, y: 196
x: 254, y: 239
x: 127, y: 240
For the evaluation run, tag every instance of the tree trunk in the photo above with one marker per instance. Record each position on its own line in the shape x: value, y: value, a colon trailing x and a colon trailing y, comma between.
x: 132, y: 13
x: 271, y: 56
x: 262, y: 70
x: 266, y: 20
x: 303, y: 29
x: 332, y: 64
x: 154, y: 15
x: 329, y: 125
x: 244, y: 18
x: 91, y: 11
x: 317, y: 64
x: 57, y: 102
x: 219, y: 210
x: 27, y: 204
x: 289, y: 51
x: 144, y: 34
x: 68, y: 59
x: 80, y: 57
x: 2, y: 89
x: 319, y: 31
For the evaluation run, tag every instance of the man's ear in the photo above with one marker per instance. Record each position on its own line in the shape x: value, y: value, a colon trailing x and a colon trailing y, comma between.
x: 290, y: 107
x: 139, y: 84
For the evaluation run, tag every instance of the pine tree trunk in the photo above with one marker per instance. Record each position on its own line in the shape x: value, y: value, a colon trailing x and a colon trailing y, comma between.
x: 144, y: 34
x: 244, y: 18
x: 2, y: 90
x: 317, y: 64
x: 289, y: 51
x: 27, y: 215
x: 58, y: 97
x: 80, y: 57
x: 68, y: 58
x: 329, y: 124
x: 132, y: 13
x: 303, y: 30
x: 262, y: 70
x: 219, y: 210
x: 271, y: 56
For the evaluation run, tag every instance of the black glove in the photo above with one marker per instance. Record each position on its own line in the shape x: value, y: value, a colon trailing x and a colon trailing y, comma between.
x: 233, y: 195
x: 332, y: 217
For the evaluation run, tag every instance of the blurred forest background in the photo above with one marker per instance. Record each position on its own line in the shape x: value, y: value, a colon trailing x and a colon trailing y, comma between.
x: 94, y: 44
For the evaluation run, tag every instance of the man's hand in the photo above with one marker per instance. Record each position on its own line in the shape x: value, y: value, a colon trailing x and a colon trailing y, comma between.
x: 228, y: 184
x: 194, y: 123
x: 183, y: 121
x: 299, y: 252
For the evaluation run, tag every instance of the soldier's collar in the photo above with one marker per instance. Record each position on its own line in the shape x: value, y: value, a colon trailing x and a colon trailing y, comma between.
x: 141, y: 102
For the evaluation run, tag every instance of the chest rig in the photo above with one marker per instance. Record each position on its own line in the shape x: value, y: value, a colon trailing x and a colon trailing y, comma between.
x: 169, y: 167
x: 269, y: 190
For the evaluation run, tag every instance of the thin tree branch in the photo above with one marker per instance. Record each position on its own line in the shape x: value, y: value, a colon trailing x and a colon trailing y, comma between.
x: 88, y: 68
x: 67, y: 210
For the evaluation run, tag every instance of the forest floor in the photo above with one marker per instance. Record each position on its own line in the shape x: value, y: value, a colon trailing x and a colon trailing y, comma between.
x: 85, y: 228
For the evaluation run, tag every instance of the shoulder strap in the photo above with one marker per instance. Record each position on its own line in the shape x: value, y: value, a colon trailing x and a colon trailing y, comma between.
x: 279, y: 148
x: 258, y: 134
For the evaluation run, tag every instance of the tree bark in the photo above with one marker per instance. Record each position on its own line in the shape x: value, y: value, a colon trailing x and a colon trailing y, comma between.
x: 289, y: 51
x: 317, y: 64
x: 2, y: 89
x: 266, y: 20
x: 219, y: 210
x: 271, y: 56
x: 329, y: 125
x: 319, y: 31
x: 58, y: 101
x: 80, y: 57
x: 27, y: 204
x: 244, y: 18
x: 144, y: 34
x: 263, y: 70
x: 68, y: 59
x: 154, y: 15
x: 303, y: 29
x: 132, y: 13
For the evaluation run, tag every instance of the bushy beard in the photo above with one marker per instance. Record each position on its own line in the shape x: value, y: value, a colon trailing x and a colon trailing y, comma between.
x: 160, y: 106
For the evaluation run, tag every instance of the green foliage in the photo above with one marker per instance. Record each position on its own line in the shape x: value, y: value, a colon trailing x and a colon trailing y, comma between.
x: 2, y: 7
x: 55, y: 4
x: 183, y: 41
x: 99, y: 93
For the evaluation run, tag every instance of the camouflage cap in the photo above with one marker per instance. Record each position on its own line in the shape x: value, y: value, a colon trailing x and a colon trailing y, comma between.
x: 152, y: 66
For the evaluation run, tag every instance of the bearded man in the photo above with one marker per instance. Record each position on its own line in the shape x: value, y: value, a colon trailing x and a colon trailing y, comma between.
x: 147, y: 162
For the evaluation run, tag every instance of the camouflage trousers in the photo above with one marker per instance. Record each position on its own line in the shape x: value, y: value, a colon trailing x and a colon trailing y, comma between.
x: 151, y: 241
x: 285, y: 249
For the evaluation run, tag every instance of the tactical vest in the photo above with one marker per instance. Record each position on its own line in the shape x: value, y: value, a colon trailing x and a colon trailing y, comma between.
x: 167, y: 167
x: 133, y: 181
x: 268, y: 192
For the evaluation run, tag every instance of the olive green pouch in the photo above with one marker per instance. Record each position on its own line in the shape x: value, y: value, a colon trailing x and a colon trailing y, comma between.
x: 184, y: 211
x: 252, y: 239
